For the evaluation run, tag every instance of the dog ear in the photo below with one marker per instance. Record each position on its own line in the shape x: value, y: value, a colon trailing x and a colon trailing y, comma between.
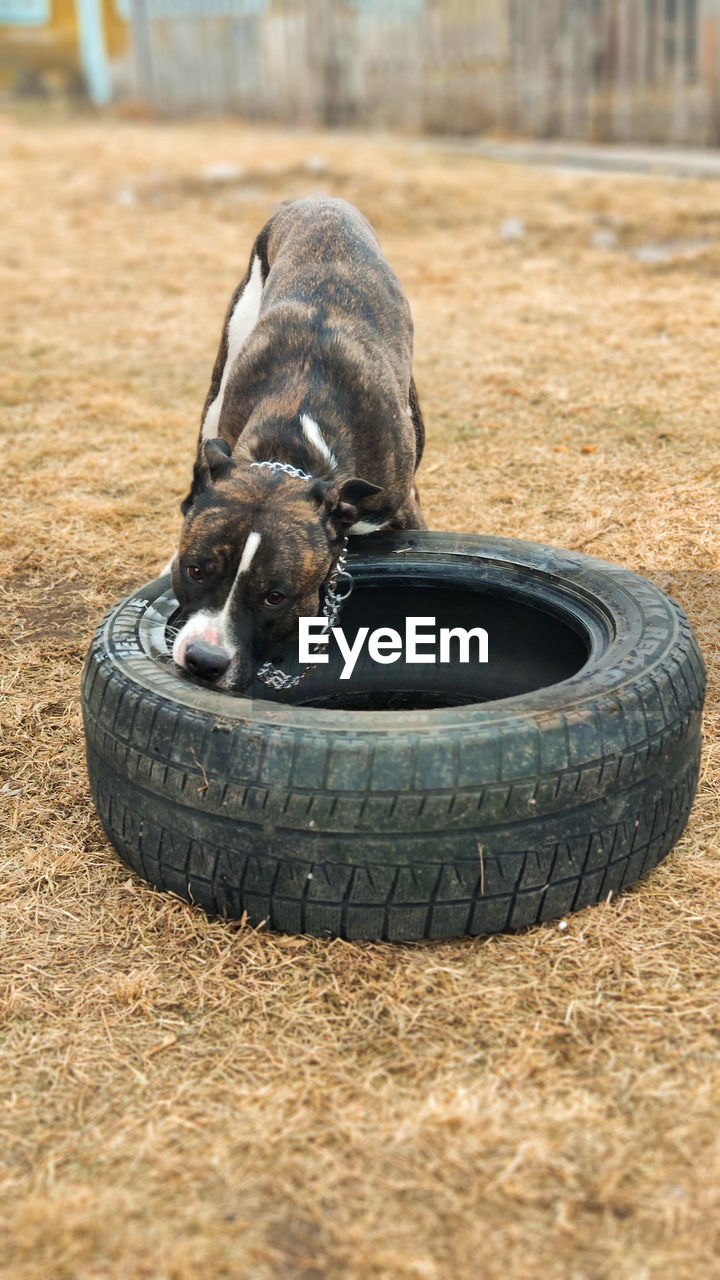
x: 342, y: 505
x: 213, y: 461
x: 217, y: 455
x: 356, y: 491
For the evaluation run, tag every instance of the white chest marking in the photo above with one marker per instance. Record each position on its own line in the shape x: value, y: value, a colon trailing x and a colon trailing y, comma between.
x: 240, y: 325
x: 366, y: 526
x: 314, y: 436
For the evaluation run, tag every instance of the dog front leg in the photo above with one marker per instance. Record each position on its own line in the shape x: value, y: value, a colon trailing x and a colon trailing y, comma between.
x: 410, y: 515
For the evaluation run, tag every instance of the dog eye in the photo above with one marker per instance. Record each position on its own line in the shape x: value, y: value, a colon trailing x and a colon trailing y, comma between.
x: 275, y: 597
x: 194, y: 572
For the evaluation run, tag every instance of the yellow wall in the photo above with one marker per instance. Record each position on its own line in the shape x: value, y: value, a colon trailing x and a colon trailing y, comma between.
x: 53, y: 47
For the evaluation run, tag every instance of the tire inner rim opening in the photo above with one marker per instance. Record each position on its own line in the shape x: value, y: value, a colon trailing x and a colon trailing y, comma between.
x: 531, y: 644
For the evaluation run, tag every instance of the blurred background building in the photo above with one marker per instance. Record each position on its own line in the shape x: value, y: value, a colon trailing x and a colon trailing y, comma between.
x: 601, y: 70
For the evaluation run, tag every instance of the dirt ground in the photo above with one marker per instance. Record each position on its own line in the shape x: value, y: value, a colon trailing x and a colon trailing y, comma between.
x: 184, y: 1097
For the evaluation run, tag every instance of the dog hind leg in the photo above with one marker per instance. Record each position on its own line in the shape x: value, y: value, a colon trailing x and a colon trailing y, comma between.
x: 417, y: 421
x: 410, y: 515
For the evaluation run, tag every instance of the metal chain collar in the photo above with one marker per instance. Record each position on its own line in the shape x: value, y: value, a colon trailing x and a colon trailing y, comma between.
x: 334, y: 599
x: 286, y: 467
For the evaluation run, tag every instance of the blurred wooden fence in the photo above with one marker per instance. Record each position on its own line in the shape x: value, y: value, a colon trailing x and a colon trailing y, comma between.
x: 597, y: 69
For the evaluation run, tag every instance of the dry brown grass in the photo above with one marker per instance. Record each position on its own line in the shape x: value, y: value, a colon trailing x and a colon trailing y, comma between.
x: 184, y: 1097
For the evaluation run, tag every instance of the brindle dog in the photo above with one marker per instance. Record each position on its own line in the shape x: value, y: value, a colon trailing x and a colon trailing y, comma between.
x: 314, y: 371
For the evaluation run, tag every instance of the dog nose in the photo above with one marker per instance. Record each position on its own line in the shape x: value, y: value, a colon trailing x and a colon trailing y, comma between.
x: 208, y: 661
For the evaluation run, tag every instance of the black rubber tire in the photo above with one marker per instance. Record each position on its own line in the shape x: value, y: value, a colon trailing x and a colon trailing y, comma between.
x: 402, y: 825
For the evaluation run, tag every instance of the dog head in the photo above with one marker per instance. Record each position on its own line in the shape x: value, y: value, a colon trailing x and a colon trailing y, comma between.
x: 255, y: 549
